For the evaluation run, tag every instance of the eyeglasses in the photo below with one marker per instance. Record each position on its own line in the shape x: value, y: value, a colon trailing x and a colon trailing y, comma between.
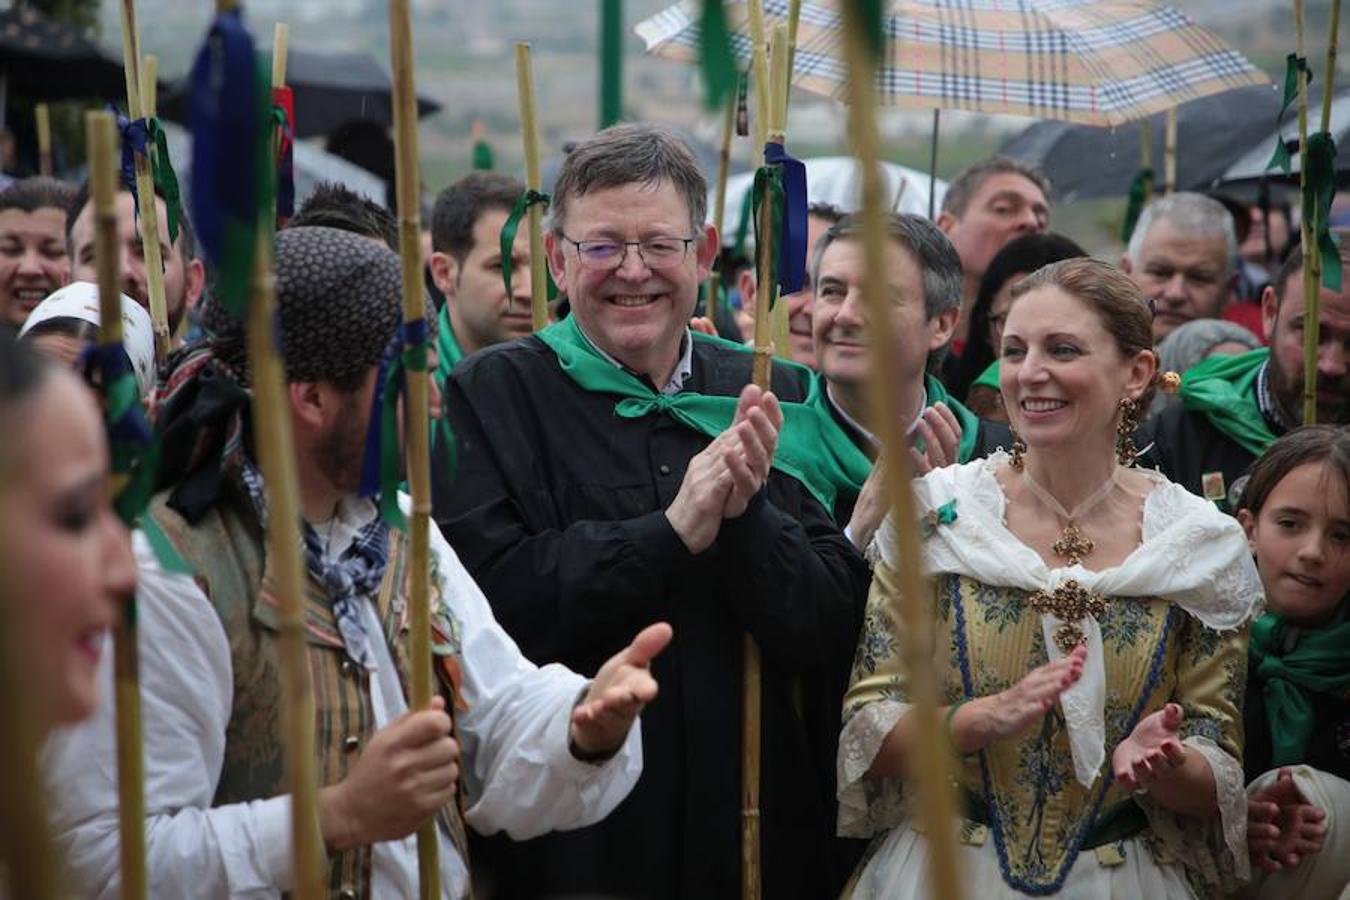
x: 655, y: 253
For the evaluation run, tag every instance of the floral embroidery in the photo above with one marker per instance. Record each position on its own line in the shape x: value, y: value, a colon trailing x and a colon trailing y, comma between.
x: 1002, y: 607
x: 1124, y: 623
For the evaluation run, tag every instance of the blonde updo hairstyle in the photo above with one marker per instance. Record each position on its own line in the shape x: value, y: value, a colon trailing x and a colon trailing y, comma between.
x: 1116, y: 300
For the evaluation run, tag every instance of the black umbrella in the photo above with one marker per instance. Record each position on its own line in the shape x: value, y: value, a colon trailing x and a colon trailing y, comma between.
x: 43, y: 60
x: 331, y: 90
x: 1084, y: 161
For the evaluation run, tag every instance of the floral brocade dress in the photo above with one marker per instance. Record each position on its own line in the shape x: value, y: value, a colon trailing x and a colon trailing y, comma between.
x: 1043, y: 815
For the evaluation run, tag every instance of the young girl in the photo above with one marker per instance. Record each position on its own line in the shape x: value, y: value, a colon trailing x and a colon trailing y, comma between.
x: 1296, y: 512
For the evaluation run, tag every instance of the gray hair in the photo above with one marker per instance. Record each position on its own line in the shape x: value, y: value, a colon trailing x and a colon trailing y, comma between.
x: 938, y: 261
x: 1188, y: 344
x: 1192, y: 213
x: 967, y: 184
x: 630, y: 154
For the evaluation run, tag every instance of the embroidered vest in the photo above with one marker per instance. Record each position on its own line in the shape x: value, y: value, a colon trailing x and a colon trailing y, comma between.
x: 226, y: 552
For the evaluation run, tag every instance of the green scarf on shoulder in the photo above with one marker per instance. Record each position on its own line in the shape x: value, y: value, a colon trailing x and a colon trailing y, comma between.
x: 854, y: 463
x: 805, y: 442
x: 1318, y: 664
x: 989, y: 377
x: 1223, y: 388
x: 448, y: 350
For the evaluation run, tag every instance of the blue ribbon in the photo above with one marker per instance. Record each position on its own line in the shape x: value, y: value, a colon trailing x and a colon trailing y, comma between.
x: 792, y: 226
x: 226, y: 129
x: 380, y: 471
x: 370, y: 460
x: 135, y: 139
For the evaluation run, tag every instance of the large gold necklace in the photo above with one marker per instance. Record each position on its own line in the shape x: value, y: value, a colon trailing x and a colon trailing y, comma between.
x: 1073, y: 545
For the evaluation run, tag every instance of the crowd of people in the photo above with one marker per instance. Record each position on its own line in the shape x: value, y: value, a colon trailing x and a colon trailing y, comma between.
x: 1138, y: 622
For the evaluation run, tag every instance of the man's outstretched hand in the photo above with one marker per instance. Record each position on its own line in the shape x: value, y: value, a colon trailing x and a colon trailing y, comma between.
x: 622, y: 687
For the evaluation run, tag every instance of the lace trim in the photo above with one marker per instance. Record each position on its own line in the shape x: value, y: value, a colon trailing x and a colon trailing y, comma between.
x: 868, y: 807
x: 1216, y: 848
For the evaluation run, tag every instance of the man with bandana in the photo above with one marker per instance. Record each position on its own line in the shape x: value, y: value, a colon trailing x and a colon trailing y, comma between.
x: 535, y: 748
x: 1233, y: 407
x: 614, y: 470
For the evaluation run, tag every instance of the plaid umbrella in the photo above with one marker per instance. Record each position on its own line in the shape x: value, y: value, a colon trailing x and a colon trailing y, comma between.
x: 1098, y: 62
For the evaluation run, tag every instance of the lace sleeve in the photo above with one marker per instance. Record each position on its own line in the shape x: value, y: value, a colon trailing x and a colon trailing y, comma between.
x: 1216, y: 847
x: 868, y: 807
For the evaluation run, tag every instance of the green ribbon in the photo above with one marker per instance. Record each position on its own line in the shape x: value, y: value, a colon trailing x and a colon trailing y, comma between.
x: 800, y: 441
x: 853, y: 463
x: 1138, y: 194
x: 529, y: 198
x: 1319, y: 190
x: 448, y: 355
x: 768, y: 187
x: 482, y: 156
x: 412, y: 359
x: 1223, y: 388
x: 716, y: 61
x: 1294, y: 67
x: 1319, y: 663
x: 943, y: 515
x: 166, y: 180
x: 169, y: 558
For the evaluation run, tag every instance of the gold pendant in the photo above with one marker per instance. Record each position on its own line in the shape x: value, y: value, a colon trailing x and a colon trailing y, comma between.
x: 1073, y: 545
x: 1070, y: 603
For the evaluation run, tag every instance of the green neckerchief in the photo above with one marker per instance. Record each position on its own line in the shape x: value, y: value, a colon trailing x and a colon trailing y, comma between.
x: 1318, y: 664
x: 989, y: 377
x: 970, y: 423
x: 852, y: 462
x: 448, y: 350
x: 803, y: 434
x: 1224, y: 389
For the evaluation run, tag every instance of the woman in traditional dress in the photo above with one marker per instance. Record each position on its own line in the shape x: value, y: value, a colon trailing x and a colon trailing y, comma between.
x: 1090, y: 637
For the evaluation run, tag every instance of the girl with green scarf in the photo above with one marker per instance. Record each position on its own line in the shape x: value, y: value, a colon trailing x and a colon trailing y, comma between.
x: 1296, y: 512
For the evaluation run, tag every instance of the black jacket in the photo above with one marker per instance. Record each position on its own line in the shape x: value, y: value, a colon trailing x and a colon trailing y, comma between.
x: 557, y: 509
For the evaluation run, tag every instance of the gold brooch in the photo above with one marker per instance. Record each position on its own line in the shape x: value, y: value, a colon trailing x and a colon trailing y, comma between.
x: 1069, y: 603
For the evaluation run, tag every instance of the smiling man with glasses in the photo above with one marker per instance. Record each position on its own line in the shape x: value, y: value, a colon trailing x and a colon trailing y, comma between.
x: 614, y: 469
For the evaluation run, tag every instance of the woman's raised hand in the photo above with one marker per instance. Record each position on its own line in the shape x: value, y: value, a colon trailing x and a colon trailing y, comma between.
x: 1151, y: 751
x: 1009, y: 713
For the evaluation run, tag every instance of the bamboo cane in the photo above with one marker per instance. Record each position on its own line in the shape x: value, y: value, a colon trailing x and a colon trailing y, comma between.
x: 276, y: 458
x: 714, y: 283
x: 933, y: 763
x: 1311, y: 222
x: 101, y: 139
x: 26, y: 855
x: 780, y: 84
x: 145, y: 187
x: 1170, y: 151
x: 530, y: 133
x: 1146, y: 155
x: 759, y: 75
x: 44, y: 139
x: 794, y: 18
x: 417, y: 417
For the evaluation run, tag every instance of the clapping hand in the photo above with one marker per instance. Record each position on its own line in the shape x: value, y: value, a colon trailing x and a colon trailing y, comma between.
x: 1151, y: 751
x: 1282, y: 826
x: 622, y: 687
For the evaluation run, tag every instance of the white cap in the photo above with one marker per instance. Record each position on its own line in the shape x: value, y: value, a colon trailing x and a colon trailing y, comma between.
x: 79, y: 300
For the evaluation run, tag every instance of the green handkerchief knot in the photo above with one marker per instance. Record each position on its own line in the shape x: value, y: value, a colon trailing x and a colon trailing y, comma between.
x: 1318, y: 663
x: 1224, y: 389
x: 801, y: 440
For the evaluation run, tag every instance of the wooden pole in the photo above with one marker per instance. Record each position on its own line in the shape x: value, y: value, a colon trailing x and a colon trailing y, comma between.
x: 276, y: 458
x: 714, y: 284
x: 417, y: 416
x: 1311, y: 222
x: 794, y: 18
x: 530, y: 132
x: 26, y: 855
x: 1312, y: 259
x: 932, y: 773
x: 44, y: 139
x: 759, y: 75
x: 1170, y: 151
x: 145, y: 188
x: 102, y: 142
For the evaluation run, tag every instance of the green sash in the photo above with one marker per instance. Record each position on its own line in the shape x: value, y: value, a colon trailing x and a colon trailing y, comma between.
x: 853, y: 462
x: 1224, y: 389
x: 1318, y: 664
x: 807, y: 444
